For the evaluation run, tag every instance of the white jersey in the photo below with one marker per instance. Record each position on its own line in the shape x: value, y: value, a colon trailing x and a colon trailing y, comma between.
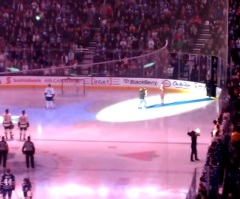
x: 23, y: 120
x: 7, y: 119
x: 49, y: 92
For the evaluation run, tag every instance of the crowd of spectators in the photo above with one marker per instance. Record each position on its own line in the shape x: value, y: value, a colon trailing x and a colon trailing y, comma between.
x: 136, y: 27
x: 234, y: 34
x: 40, y: 33
x: 45, y: 34
x: 195, y: 68
x: 145, y: 25
x: 217, y: 22
x: 217, y: 157
x: 221, y: 174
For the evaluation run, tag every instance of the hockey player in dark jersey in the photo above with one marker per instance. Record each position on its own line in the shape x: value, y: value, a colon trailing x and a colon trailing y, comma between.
x: 7, y: 184
x: 27, y: 188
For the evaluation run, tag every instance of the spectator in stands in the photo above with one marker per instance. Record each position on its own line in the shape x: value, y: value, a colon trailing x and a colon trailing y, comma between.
x: 216, y: 133
x: 24, y: 68
x: 65, y: 59
x: 194, y: 75
x: 53, y: 69
x: 202, y: 191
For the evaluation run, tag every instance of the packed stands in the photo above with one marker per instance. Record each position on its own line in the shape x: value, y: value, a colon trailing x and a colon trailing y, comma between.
x: 42, y: 33
x: 136, y: 27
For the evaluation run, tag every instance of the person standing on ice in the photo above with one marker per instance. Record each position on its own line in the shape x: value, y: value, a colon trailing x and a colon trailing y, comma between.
x: 49, y: 97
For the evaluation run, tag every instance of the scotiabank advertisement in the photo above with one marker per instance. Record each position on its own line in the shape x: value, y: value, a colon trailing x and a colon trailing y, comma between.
x: 22, y: 81
x: 35, y: 81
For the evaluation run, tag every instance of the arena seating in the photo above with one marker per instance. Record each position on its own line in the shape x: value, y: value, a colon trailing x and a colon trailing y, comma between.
x: 135, y: 27
x: 39, y: 34
x: 220, y: 177
x: 233, y: 33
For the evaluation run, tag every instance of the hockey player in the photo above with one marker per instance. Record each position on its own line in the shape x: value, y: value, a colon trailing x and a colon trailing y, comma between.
x: 23, y: 124
x: 7, y: 184
x: 7, y: 124
x: 27, y: 188
x: 49, y: 96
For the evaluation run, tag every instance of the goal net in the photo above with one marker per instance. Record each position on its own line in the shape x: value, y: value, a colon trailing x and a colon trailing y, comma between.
x: 72, y: 86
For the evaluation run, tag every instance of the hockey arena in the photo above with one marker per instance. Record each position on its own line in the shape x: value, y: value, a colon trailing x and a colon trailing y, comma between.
x: 134, y: 82
x: 101, y: 145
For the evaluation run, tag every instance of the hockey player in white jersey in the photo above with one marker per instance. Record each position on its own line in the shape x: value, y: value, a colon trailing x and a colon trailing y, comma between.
x: 49, y: 96
x: 7, y: 124
x: 23, y: 124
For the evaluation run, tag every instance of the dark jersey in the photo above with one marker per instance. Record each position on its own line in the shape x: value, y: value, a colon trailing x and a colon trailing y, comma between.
x: 8, y: 181
x: 142, y: 93
x: 26, y: 186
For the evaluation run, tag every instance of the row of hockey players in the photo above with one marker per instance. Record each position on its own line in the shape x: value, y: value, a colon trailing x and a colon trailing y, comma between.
x: 23, y: 122
x: 8, y: 125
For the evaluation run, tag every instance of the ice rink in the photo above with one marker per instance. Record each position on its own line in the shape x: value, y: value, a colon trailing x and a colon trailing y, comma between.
x: 102, y: 146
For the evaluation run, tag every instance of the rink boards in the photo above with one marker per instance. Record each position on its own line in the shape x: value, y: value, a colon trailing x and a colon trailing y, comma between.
x: 104, y: 82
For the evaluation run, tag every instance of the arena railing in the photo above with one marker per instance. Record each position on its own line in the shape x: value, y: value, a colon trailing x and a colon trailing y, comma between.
x: 204, y: 179
x: 40, y: 60
x: 150, y: 64
x: 192, y: 192
x: 159, y: 63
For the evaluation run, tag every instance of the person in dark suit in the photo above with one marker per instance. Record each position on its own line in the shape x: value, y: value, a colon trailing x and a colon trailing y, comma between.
x: 3, y: 152
x: 194, y: 135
